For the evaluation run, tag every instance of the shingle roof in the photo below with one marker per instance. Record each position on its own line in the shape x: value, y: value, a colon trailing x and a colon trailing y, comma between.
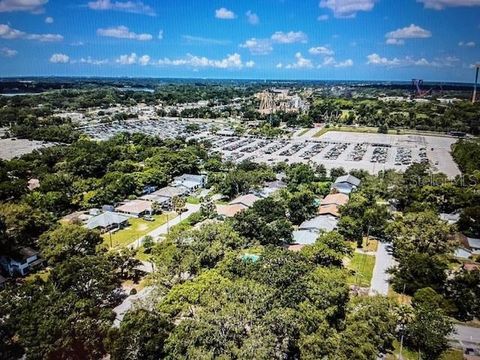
x: 329, y: 210
x: 105, y: 220
x: 135, y: 207
x: 304, y: 237
x: 170, y: 191
x: 230, y: 210
x: 247, y: 200
x: 335, y: 199
x: 321, y: 222
x: 348, y: 179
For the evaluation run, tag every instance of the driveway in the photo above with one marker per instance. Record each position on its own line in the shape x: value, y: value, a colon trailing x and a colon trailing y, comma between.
x: 128, y: 303
x: 163, y: 230
x: 383, y: 261
x: 466, y: 336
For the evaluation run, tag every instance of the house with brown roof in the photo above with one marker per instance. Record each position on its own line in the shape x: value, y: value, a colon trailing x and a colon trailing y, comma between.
x: 338, y: 199
x: 329, y: 210
x: 136, y: 208
x: 230, y: 210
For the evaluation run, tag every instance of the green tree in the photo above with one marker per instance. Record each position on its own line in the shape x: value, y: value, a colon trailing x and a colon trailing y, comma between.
x: 67, y: 241
x: 141, y: 335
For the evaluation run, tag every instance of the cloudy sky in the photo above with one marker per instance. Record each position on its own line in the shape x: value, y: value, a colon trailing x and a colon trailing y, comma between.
x: 265, y: 39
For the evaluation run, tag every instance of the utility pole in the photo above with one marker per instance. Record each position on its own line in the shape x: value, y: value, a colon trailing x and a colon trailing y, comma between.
x: 474, y: 97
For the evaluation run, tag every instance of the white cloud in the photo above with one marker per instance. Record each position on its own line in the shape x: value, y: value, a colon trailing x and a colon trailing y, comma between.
x: 410, y: 32
x: 323, y: 18
x: 127, y: 59
x: 49, y: 20
x: 279, y: 66
x: 89, y: 60
x: 204, y: 41
x: 442, y: 4
x: 330, y: 61
x: 290, y: 37
x: 258, y: 46
x: 321, y: 50
x: 250, y: 64
x: 375, y: 59
x: 466, y: 44
x: 300, y: 63
x: 122, y: 32
x: 224, y: 14
x: 160, y: 35
x: 135, y: 7
x: 44, y: 37
x: 77, y: 43
x: 33, y: 6
x: 6, y: 32
x: 59, y: 59
x: 343, y: 64
x: 347, y: 8
x: 252, y: 18
x: 233, y: 61
x: 144, y: 60
x: 7, y: 52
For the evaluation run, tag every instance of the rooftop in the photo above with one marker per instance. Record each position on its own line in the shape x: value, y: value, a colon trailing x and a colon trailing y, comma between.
x: 105, y: 220
x: 335, y: 199
x: 348, y: 179
x: 247, y: 200
x: 135, y: 207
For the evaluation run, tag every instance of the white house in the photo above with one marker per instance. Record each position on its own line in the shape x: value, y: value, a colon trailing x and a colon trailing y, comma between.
x: 22, y: 262
x: 190, y: 182
x: 346, y: 184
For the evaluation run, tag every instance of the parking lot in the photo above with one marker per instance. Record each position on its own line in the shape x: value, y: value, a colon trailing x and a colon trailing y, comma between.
x: 351, y: 150
x: 10, y: 148
x: 370, y: 152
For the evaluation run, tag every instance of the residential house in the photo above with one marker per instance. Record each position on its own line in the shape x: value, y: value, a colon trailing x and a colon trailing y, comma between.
x: 22, y: 262
x: 329, y: 210
x: 468, y: 247
x: 190, y: 182
x: 136, y: 208
x: 451, y: 218
x: 320, y: 223
x: 309, y: 230
x: 164, y: 196
x: 247, y: 200
x: 227, y: 211
x: 107, y: 221
x: 305, y: 237
x: 337, y: 199
x: 270, y: 188
x: 346, y: 184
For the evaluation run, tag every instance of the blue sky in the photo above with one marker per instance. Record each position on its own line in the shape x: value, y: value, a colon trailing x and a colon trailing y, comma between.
x: 264, y: 39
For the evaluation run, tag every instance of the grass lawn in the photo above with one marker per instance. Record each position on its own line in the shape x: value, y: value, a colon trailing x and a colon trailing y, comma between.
x: 374, y: 130
x: 362, y: 266
x: 407, y: 354
x: 303, y: 132
x: 193, y: 200
x: 137, y: 228
x: 141, y: 255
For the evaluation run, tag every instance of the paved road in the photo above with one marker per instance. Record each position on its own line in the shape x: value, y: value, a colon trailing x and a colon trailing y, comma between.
x: 383, y: 261
x: 163, y: 229
x: 128, y: 303
x: 466, y: 334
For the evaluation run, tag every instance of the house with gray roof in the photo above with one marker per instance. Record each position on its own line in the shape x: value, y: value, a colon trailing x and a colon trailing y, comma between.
x: 320, y: 223
x: 346, y: 184
x: 107, y: 221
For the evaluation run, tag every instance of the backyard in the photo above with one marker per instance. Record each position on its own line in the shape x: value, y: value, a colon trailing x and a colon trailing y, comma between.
x: 361, y: 266
x: 138, y: 227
